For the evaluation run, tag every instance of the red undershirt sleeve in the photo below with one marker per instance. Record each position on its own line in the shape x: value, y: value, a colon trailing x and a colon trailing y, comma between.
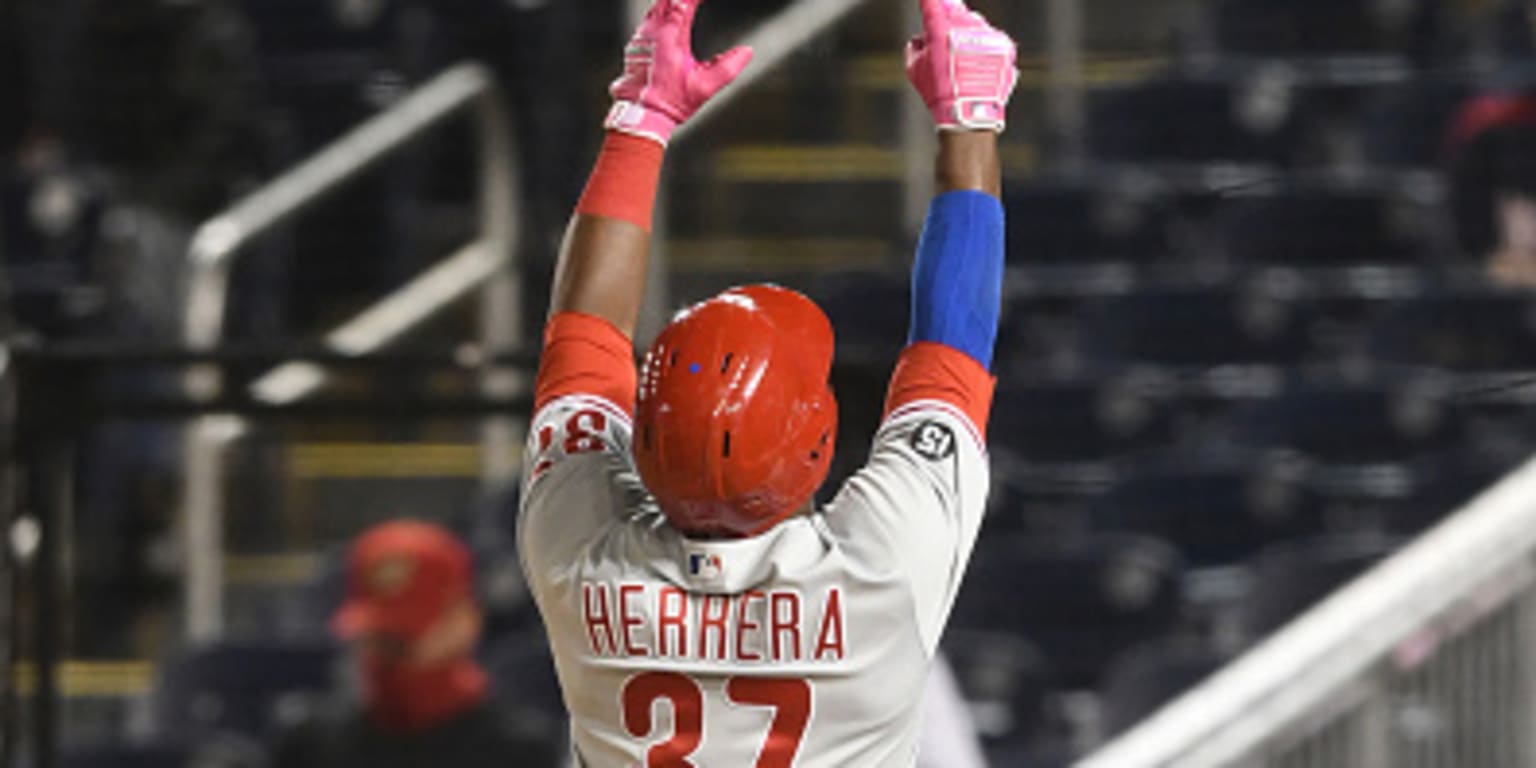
x: 932, y: 371
x: 586, y: 355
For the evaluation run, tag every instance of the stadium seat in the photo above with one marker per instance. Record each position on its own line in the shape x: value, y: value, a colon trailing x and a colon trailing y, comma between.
x: 295, y: 28
x: 208, y: 753
x: 1444, y: 485
x: 870, y: 315
x: 1196, y: 327
x: 1290, y: 578
x: 1321, y: 227
x: 869, y: 311
x: 1406, y: 126
x: 1008, y: 685
x: 525, y: 685
x: 1081, y: 601
x: 250, y: 689
x: 1478, y: 331
x: 125, y: 756
x: 1004, y: 678
x: 1061, y: 221
x: 1311, y: 27
x: 1148, y: 676
x: 1078, y: 420
x: 1350, y: 423
x: 1169, y: 120
x: 1216, y: 513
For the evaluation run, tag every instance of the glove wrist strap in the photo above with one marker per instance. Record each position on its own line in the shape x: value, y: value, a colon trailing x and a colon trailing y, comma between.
x: 637, y: 120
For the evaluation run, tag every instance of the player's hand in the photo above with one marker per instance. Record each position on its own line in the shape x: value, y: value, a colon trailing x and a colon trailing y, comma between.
x: 964, y: 68
x: 663, y: 85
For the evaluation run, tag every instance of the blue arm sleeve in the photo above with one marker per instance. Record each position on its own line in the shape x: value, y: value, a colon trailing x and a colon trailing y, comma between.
x: 957, y: 281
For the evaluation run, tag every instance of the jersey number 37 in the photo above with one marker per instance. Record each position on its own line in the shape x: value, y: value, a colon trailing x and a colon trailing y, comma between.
x: 790, y: 700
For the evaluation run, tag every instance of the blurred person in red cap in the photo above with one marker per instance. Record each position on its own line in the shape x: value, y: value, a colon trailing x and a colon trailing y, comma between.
x: 413, y: 623
x: 1492, y: 184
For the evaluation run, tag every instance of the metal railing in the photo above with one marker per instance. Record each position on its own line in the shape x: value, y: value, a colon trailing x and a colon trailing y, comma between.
x: 486, y: 264
x: 1427, y: 661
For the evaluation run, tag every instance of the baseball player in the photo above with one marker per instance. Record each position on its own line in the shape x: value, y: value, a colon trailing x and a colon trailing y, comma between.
x: 702, y: 610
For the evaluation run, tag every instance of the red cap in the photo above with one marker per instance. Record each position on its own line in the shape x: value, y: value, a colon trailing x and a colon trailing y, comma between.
x: 401, y: 578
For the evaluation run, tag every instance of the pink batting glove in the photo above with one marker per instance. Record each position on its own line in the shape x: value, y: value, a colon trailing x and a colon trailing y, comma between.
x: 964, y: 68
x: 663, y: 85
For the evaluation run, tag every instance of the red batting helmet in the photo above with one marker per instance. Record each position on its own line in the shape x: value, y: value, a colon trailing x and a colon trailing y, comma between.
x: 735, y: 421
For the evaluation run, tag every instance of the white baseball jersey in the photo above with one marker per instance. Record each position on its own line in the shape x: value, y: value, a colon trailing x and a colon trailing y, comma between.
x: 808, y: 645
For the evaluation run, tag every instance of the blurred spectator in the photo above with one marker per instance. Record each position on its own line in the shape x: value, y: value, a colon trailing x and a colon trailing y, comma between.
x: 413, y: 622
x: 1493, y: 184
x: 158, y: 94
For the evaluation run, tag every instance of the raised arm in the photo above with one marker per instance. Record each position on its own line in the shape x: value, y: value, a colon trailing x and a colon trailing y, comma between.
x: 602, y: 266
x: 965, y: 71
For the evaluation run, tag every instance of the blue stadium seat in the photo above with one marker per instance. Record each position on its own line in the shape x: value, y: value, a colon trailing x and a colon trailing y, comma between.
x: 869, y: 311
x: 297, y: 28
x: 1169, y: 120
x: 1351, y: 423
x: 870, y: 315
x: 1406, y: 126
x: 1150, y: 675
x: 207, y: 753
x: 1078, y: 420
x: 1310, y: 27
x: 1444, y: 485
x: 126, y: 756
x: 1008, y: 684
x: 1062, y: 221
x: 1197, y: 327
x: 1476, y: 331
x: 1321, y: 227
x: 243, y: 688
x: 1081, y: 601
x: 1290, y: 578
x: 524, y: 682
x: 1217, y: 512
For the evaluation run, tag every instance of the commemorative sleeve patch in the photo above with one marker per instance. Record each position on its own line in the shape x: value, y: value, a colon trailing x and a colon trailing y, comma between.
x: 933, y: 441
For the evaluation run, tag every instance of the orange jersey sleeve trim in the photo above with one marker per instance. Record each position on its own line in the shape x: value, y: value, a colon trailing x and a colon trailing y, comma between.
x: 932, y: 371
x: 586, y: 355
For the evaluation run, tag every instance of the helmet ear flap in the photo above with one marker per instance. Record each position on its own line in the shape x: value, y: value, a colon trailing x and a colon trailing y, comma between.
x: 822, y: 431
x: 828, y: 438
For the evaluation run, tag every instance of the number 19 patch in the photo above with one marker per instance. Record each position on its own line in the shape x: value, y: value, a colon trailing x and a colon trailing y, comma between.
x: 933, y: 441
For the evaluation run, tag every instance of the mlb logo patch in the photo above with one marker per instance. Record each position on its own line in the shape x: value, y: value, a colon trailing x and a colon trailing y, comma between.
x: 705, y: 566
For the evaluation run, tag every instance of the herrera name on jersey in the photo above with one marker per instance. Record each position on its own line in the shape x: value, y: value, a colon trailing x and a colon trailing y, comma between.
x: 640, y: 620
